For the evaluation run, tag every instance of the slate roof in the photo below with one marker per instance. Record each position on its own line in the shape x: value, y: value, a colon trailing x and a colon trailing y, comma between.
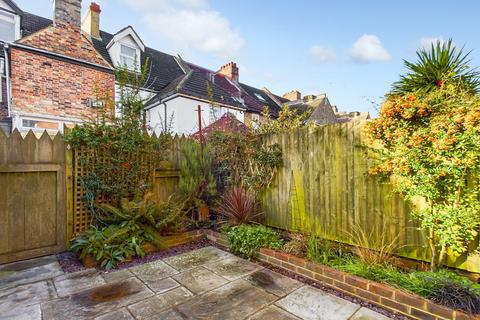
x: 166, y: 77
x: 226, y: 123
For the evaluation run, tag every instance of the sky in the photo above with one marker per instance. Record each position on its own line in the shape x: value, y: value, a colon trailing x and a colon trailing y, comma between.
x: 352, y: 50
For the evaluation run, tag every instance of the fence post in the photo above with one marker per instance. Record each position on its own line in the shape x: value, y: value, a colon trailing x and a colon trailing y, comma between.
x: 69, y: 190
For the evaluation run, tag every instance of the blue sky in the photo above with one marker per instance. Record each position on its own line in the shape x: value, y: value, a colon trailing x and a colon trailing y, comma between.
x: 351, y: 50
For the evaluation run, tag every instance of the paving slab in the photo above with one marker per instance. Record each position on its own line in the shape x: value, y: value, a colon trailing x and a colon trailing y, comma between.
x: 149, y: 308
x: 368, y: 314
x: 196, y: 258
x: 235, y: 300
x: 26, y: 294
x: 313, y: 304
x: 233, y: 268
x: 199, y: 280
x: 32, y: 312
x: 167, y: 315
x: 117, y: 275
x: 29, y: 271
x: 121, y: 314
x: 77, y: 281
x: 153, y: 271
x: 273, y: 313
x: 273, y: 282
x: 162, y: 285
x: 93, y: 302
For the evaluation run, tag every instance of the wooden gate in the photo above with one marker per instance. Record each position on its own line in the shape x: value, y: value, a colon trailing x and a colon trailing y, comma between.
x: 32, y: 196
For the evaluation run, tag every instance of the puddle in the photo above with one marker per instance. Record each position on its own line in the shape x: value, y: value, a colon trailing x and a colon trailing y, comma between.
x: 262, y: 279
x: 106, y: 293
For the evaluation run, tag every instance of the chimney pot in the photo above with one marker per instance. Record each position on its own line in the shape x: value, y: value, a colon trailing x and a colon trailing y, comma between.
x: 91, y: 21
x: 230, y: 70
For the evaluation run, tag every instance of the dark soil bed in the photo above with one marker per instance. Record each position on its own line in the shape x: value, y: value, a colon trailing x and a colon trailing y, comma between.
x: 70, y: 261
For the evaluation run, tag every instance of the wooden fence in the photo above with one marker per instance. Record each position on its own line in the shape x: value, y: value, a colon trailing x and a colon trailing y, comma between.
x: 32, y: 196
x: 324, y: 188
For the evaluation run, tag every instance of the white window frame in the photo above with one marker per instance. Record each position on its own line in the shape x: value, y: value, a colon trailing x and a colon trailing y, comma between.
x: 135, y: 63
x: 16, y: 22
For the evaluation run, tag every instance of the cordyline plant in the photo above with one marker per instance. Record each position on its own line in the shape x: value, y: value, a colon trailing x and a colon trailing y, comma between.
x: 430, y: 145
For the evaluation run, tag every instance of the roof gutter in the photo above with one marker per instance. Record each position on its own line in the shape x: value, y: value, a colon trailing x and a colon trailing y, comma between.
x: 62, y: 57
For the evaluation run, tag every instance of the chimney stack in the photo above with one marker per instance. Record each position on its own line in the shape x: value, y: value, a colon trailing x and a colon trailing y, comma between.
x: 67, y: 12
x: 230, y: 70
x: 91, y: 21
x: 293, y: 95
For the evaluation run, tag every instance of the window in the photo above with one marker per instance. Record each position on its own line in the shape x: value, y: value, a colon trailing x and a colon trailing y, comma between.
x: 39, y: 124
x: 259, y: 97
x: 215, y: 113
x: 127, y: 56
x: 7, y: 26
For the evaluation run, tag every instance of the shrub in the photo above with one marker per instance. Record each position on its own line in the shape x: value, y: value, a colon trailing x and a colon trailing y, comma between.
x: 246, y: 239
x: 238, y: 205
x: 297, y: 244
x: 373, y: 248
x: 324, y: 251
x: 451, y: 290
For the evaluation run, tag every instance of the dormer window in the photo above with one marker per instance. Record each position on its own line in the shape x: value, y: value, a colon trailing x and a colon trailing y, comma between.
x: 8, y: 29
x: 128, y: 56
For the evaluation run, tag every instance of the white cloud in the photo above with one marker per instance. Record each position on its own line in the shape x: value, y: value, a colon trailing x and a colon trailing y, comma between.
x: 369, y: 48
x: 191, y: 25
x: 322, y: 53
x: 426, y: 42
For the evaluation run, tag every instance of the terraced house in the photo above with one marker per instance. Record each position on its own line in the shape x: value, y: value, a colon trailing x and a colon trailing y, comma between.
x: 59, y: 72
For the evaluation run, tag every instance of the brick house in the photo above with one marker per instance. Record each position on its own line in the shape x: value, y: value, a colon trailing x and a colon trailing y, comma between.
x: 53, y: 75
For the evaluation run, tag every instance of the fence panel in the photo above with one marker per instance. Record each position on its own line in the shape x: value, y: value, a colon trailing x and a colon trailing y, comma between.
x: 32, y: 196
x: 323, y: 187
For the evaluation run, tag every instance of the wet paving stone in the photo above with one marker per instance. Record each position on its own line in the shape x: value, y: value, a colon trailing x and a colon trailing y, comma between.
x: 77, y: 281
x: 93, y: 302
x: 151, y: 307
x: 26, y: 294
x: 119, y: 275
x: 196, y: 258
x: 235, y: 300
x: 233, y: 268
x: 29, y: 271
x: 313, y: 304
x: 199, y: 280
x: 273, y: 282
x: 121, y: 314
x: 273, y: 313
x: 153, y: 271
x: 367, y: 314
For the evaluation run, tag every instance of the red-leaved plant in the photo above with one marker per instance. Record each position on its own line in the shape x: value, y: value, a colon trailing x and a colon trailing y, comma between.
x: 238, y: 205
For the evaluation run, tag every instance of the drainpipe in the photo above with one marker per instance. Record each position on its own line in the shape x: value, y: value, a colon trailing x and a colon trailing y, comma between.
x: 7, y: 81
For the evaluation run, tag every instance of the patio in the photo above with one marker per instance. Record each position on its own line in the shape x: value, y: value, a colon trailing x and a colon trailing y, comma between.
x: 206, y: 283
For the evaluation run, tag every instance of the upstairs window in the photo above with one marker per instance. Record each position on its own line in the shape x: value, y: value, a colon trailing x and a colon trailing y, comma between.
x: 7, y: 26
x: 127, y: 56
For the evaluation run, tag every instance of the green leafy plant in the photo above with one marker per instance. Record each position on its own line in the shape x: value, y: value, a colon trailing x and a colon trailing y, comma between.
x: 428, y: 144
x: 238, y: 205
x: 245, y: 239
x: 241, y: 159
x: 197, y: 182
x: 442, y: 64
x: 323, y: 251
x: 288, y: 119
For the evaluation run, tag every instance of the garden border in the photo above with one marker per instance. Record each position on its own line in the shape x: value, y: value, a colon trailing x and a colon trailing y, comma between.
x: 380, y: 294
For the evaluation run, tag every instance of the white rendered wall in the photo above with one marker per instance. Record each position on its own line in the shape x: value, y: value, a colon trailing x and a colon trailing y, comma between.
x: 185, y: 115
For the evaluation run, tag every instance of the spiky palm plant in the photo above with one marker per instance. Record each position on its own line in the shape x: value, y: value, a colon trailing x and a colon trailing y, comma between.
x: 443, y: 63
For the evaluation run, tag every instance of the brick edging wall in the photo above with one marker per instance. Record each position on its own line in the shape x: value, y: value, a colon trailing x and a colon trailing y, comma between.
x: 385, y: 296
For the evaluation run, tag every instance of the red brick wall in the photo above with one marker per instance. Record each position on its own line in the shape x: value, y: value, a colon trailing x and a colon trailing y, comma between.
x: 45, y: 85
x: 65, y: 39
x: 3, y: 103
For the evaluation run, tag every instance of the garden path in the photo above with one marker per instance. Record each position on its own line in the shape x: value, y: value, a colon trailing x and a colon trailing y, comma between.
x: 206, y: 283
